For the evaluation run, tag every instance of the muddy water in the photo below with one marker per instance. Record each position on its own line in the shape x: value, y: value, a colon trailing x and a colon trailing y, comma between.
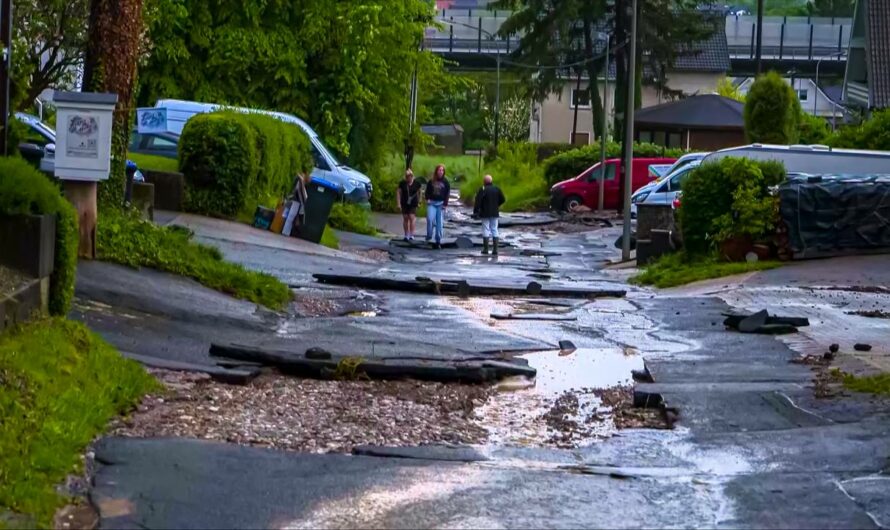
x: 560, y: 405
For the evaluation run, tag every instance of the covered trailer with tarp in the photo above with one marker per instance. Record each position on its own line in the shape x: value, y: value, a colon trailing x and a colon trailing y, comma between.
x: 835, y: 215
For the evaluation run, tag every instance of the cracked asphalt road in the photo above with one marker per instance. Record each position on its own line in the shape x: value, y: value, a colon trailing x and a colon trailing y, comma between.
x: 752, y: 447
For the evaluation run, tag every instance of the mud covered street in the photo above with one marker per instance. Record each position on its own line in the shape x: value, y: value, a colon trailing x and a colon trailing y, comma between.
x: 642, y: 409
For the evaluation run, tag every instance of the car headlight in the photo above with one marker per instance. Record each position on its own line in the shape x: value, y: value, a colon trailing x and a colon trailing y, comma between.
x: 353, y: 183
x: 637, y: 199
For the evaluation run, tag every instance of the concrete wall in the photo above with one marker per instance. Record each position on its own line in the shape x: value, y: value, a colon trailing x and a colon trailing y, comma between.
x: 551, y: 119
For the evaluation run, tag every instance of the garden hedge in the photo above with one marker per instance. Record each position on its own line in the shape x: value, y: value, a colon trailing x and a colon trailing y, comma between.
x: 232, y: 162
x: 728, y: 198
x: 570, y: 163
x: 24, y: 191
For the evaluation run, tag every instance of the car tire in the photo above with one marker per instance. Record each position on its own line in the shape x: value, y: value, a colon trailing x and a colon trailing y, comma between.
x: 571, y: 202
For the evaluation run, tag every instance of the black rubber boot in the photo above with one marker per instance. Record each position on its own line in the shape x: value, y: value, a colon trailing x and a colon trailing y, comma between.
x: 494, y: 248
x: 485, y: 245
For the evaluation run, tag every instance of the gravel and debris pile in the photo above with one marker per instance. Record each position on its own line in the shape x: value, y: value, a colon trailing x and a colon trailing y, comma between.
x: 309, y: 415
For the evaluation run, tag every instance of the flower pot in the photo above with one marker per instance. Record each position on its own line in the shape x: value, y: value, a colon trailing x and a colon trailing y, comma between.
x: 736, y: 248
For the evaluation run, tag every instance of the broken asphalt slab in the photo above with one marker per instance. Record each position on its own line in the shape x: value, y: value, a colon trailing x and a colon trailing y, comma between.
x: 471, y: 288
x: 466, y: 370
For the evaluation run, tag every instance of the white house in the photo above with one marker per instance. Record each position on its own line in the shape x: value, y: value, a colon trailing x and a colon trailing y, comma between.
x: 813, y: 99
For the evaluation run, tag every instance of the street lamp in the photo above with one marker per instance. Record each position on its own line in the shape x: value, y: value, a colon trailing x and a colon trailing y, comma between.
x: 602, y: 179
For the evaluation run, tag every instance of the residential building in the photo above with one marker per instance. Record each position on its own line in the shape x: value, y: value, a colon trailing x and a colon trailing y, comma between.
x: 867, y: 79
x: 813, y: 99
x: 705, y: 123
x: 695, y: 72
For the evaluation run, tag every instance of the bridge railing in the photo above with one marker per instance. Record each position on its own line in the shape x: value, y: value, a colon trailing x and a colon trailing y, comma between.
x: 800, y: 38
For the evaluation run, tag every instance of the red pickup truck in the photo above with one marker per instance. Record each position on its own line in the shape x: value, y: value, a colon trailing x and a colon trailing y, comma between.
x: 584, y: 189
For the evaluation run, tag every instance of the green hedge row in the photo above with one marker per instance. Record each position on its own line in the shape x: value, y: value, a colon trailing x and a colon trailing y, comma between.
x: 23, y: 191
x: 727, y: 199
x: 232, y: 162
x: 568, y: 164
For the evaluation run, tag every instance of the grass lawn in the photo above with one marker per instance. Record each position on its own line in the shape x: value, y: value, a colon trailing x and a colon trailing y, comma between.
x: 60, y: 384
x: 329, y: 238
x: 128, y: 240
x: 156, y: 163
x: 872, y: 384
x: 678, y: 269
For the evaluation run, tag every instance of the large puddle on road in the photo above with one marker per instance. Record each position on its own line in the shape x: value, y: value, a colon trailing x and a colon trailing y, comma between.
x: 569, y: 403
x: 561, y: 405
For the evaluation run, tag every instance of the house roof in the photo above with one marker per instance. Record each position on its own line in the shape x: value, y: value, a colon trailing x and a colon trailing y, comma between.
x: 442, y: 130
x: 711, y: 55
x: 708, y: 111
x: 879, y: 52
x: 833, y: 92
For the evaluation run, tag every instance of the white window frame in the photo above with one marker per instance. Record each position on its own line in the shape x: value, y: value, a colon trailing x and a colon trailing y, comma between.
x: 572, y: 100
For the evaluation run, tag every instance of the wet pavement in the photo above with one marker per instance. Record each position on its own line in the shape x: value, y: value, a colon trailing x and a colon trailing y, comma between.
x: 752, y: 445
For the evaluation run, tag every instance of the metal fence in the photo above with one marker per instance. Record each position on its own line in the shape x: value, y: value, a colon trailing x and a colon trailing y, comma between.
x: 798, y: 38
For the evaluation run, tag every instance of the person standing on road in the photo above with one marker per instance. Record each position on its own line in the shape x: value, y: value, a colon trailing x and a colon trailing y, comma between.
x: 437, y: 193
x: 408, y: 199
x: 487, y: 207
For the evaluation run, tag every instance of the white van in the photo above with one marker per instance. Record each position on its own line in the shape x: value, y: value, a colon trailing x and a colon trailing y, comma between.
x: 812, y: 159
x: 356, y: 186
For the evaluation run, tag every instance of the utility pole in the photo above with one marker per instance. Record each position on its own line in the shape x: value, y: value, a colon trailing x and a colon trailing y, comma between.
x: 758, y: 59
x: 5, y: 72
x: 602, y: 179
x: 629, y: 132
x: 412, y: 119
x: 497, y: 102
x: 575, y: 105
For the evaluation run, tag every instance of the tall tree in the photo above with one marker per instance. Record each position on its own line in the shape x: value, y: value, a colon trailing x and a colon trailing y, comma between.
x: 49, y: 39
x: 115, y: 34
x: 343, y: 66
x: 559, y: 32
x: 565, y: 32
x: 831, y: 8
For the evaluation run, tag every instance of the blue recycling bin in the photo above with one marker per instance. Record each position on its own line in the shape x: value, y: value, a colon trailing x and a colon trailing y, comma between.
x: 321, y: 195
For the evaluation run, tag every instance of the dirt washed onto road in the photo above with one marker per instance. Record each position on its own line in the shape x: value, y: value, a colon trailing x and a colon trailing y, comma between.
x: 309, y: 415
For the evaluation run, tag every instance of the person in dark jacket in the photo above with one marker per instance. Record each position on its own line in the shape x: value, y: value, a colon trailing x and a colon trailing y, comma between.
x: 488, y: 208
x: 408, y: 198
x: 437, y: 192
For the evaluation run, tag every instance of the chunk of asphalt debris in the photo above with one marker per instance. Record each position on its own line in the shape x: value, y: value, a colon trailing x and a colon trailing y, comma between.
x: 463, y: 243
x: 859, y: 346
x: 642, y: 376
x: 834, y: 348
x: 317, y: 353
x: 648, y: 400
x: 566, y: 345
x: 533, y: 288
x: 763, y: 323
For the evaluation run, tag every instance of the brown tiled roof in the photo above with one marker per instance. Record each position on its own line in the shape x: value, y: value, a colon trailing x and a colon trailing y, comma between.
x: 879, y: 52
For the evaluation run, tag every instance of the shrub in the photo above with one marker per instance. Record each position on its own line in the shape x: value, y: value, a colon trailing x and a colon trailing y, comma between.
x: 772, y: 111
x: 232, y: 162
x: 124, y: 238
x: 570, y: 163
x: 517, y: 173
x: 728, y: 198
x: 351, y: 218
x: 24, y: 190
x: 546, y: 150
x: 61, y: 385
x: 813, y: 130
x: 873, y: 133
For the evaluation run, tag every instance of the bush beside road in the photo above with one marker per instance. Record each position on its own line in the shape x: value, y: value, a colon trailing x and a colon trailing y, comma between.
x: 126, y: 239
x: 61, y: 385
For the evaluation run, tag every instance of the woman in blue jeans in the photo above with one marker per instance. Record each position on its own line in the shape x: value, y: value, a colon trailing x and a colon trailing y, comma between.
x: 436, y: 193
